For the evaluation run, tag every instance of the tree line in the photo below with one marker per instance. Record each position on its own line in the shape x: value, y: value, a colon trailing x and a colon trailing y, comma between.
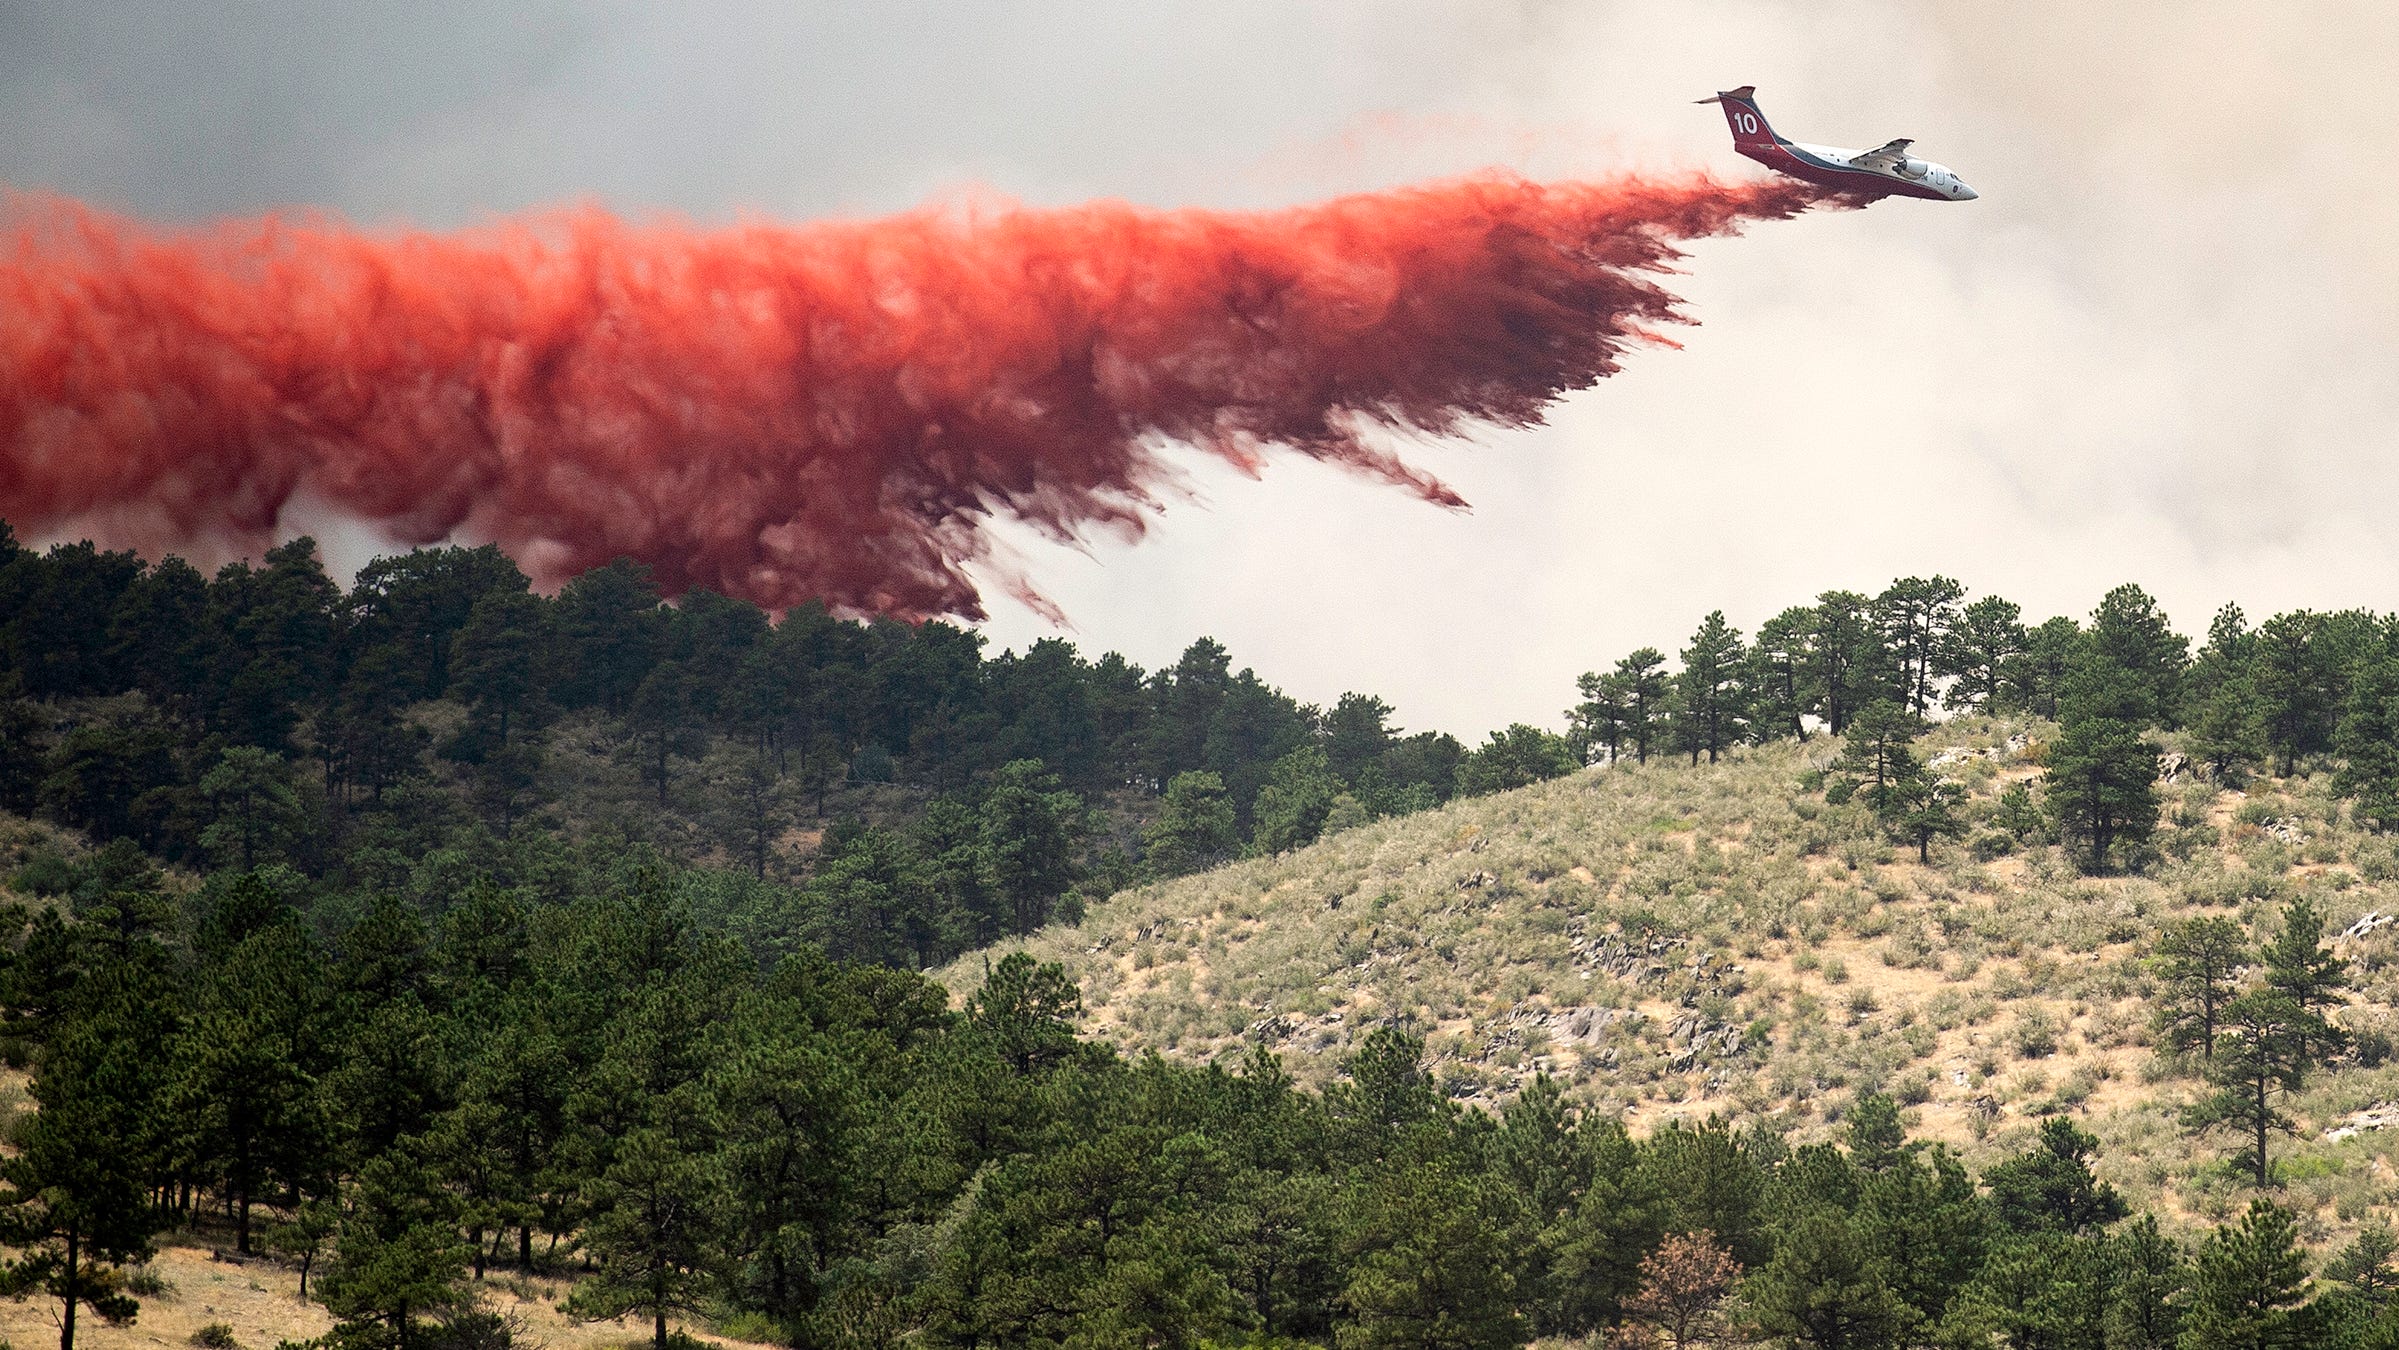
x: 266, y: 716
x: 2299, y: 688
x: 583, y: 1077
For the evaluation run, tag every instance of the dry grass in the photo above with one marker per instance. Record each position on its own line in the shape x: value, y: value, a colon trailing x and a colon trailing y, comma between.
x: 1679, y: 942
x: 259, y: 1298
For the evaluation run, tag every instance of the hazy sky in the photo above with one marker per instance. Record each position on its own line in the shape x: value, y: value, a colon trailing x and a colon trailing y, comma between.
x: 2159, y: 348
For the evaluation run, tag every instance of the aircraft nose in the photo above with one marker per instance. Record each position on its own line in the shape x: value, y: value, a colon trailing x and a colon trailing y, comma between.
x: 1966, y: 194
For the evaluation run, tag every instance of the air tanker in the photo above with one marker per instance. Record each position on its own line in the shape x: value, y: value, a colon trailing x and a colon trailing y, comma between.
x: 1886, y: 171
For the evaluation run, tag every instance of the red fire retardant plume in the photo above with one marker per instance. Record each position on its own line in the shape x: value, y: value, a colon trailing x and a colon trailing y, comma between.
x: 829, y: 411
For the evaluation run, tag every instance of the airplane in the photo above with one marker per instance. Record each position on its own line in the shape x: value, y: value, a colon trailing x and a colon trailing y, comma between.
x: 1886, y: 171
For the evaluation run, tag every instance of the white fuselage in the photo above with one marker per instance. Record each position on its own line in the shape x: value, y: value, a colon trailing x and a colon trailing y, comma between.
x: 1916, y: 177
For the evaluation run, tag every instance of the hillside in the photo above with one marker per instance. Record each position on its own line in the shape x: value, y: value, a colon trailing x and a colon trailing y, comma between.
x: 195, y: 1283
x: 1678, y: 942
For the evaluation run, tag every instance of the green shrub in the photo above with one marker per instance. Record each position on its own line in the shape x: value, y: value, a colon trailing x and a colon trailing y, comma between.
x: 2262, y: 810
x: 751, y: 1326
x: 2035, y: 1036
x: 45, y: 873
x: 1992, y: 844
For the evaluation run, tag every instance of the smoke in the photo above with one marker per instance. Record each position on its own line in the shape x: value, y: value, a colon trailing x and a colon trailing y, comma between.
x: 832, y: 411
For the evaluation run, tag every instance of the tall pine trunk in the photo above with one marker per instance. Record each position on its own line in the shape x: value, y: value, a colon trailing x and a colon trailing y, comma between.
x: 66, y: 1320
x: 2262, y: 1122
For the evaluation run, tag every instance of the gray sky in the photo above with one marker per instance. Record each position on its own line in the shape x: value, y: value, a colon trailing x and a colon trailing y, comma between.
x: 2158, y: 349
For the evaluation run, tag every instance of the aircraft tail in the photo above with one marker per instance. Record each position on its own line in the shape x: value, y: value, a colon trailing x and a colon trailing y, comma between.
x: 1741, y: 113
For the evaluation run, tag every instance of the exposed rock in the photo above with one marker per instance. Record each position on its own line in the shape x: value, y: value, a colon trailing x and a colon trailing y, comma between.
x: 1612, y: 955
x: 2380, y: 1116
x: 2373, y: 920
x: 1696, y: 1038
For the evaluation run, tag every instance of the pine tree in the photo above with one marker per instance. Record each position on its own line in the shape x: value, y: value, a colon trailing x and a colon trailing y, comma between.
x: 1598, y: 722
x: 2101, y: 786
x: 1429, y: 1265
x: 2250, y: 1289
x: 75, y: 1191
x: 663, y: 724
x: 2034, y: 679
x: 1877, y: 1137
x: 1825, y: 1288
x: 2297, y: 685
x: 788, y: 1109
x: 2050, y: 1188
x: 2145, y: 658
x: 2364, y: 1266
x: 2262, y: 1056
x: 1708, y: 703
x: 1922, y: 808
x: 243, y: 1069
x: 1848, y: 666
x: 406, y: 609
x: 1642, y: 688
x: 610, y: 630
x: 2145, y: 1305
x: 496, y: 662
x: 2301, y: 969
x: 1518, y: 756
x: 2044, y: 1289
x: 303, y: 1239
x: 363, y: 735
x: 1780, y: 695
x: 1987, y: 635
x: 1291, y: 808
x: 400, y: 1260
x: 652, y: 1232
x: 258, y: 815
x: 2227, y: 718
x: 1194, y: 826
x: 2367, y: 741
x: 1026, y: 1012
x: 1918, y: 617
x: 2195, y: 963
x: 1030, y: 827
x: 1595, y: 1252
x: 1357, y: 734
x: 1875, y: 756
x: 1386, y: 1094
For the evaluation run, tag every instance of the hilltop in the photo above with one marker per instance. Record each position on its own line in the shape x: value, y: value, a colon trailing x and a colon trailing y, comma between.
x: 1675, y: 942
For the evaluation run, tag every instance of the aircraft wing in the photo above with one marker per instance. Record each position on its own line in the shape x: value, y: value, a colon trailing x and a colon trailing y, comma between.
x: 1884, y: 158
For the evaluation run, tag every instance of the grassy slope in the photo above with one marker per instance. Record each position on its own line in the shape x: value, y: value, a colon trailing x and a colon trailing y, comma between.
x: 258, y: 1297
x: 1985, y: 995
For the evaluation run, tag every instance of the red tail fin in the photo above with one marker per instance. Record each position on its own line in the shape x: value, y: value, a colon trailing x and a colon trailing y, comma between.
x: 1741, y: 113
